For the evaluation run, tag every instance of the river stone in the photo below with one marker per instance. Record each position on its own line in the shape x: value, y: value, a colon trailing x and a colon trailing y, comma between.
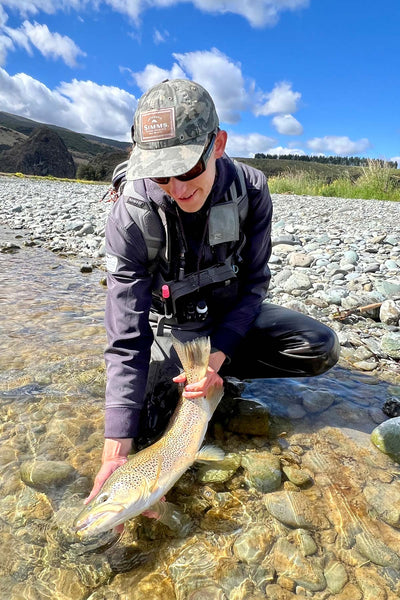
x: 275, y: 592
x: 303, y: 541
x: 296, y: 475
x: 385, y: 500
x: 376, y: 551
x: 390, y: 344
x: 252, y: 545
x: 292, y: 509
x: 389, y: 312
x: 388, y: 287
x: 305, y: 572
x: 42, y: 474
x: 336, y: 576
x: 300, y: 259
x: 297, y: 281
x: 220, y: 471
x: 250, y: 418
x: 315, y: 401
x: 262, y: 471
x: 386, y: 437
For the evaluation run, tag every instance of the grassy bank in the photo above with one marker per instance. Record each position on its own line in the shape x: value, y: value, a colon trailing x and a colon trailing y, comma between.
x: 374, y: 182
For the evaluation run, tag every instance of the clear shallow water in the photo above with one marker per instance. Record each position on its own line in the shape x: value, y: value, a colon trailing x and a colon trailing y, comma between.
x: 243, y: 542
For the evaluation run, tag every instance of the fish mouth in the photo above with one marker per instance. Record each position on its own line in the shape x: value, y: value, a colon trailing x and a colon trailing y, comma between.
x: 98, y: 521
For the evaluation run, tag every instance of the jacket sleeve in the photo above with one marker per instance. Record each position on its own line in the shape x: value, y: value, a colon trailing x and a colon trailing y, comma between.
x: 129, y: 334
x: 254, y: 273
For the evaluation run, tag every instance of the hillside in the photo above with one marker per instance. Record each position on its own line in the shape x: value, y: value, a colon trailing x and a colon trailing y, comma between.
x: 83, y: 147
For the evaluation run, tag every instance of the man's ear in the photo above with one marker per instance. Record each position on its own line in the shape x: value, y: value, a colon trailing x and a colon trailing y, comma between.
x: 220, y: 143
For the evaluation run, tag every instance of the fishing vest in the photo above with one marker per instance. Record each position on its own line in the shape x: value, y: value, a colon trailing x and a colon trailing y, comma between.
x: 225, y: 234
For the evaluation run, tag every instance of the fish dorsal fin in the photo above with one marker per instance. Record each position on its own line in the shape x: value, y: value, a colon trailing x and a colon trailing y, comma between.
x: 210, y: 454
x: 194, y: 356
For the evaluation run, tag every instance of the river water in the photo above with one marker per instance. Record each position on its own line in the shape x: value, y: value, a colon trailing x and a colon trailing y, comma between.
x: 295, y: 510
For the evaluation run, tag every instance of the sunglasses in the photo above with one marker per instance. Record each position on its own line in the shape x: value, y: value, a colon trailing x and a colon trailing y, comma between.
x: 195, y: 171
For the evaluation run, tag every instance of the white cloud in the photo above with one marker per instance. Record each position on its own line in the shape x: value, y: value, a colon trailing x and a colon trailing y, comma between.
x: 287, y: 125
x: 106, y: 110
x: 212, y: 69
x: 6, y: 45
x: 280, y: 151
x: 159, y: 37
x: 82, y: 106
x: 342, y: 145
x: 221, y: 77
x: 396, y: 159
x: 51, y: 45
x: 248, y: 145
x: 282, y: 99
x: 258, y: 13
x: 152, y: 75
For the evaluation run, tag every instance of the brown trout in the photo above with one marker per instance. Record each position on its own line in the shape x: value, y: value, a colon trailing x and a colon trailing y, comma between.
x: 140, y: 483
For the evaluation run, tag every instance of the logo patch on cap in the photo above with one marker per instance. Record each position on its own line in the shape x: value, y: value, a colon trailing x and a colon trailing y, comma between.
x: 158, y: 125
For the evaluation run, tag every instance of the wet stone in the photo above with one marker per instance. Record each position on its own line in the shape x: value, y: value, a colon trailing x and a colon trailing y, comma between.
x: 42, y: 474
x: 250, y: 418
x: 385, y: 500
x: 376, y: 551
x: 252, y: 545
x: 305, y: 572
x: 316, y: 401
x: 220, y: 471
x: 386, y: 437
x: 297, y: 476
x: 293, y: 509
x: 262, y: 471
x: 336, y: 576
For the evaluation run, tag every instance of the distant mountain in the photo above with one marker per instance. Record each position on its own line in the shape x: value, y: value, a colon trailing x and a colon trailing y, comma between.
x: 42, y: 153
x: 81, y: 145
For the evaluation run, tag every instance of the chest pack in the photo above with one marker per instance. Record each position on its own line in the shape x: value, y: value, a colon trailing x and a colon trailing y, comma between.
x: 225, y: 236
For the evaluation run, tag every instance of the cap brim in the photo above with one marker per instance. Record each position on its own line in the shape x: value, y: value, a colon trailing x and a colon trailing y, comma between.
x: 164, y: 162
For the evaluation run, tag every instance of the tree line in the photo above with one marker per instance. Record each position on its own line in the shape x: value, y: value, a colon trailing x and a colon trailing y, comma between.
x: 348, y: 161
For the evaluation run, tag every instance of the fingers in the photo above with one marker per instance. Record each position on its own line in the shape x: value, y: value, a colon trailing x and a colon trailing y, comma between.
x: 106, y: 469
x: 200, y: 388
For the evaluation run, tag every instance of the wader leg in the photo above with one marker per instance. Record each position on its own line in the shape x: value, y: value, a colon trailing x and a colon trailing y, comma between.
x: 284, y: 343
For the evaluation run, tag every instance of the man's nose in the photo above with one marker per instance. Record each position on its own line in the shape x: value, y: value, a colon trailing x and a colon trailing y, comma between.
x: 177, y: 188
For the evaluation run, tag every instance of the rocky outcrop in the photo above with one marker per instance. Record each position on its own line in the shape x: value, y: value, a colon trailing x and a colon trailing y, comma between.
x: 43, y: 153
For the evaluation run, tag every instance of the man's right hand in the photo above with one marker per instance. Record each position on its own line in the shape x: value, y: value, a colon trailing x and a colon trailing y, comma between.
x: 115, y: 454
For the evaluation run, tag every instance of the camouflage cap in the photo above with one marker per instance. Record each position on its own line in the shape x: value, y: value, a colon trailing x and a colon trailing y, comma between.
x: 171, y: 127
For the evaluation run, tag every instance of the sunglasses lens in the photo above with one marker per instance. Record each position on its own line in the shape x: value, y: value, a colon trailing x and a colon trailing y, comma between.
x: 160, y: 180
x: 195, y: 171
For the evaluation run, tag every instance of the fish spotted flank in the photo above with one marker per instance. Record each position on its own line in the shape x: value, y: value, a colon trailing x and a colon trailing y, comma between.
x: 143, y: 480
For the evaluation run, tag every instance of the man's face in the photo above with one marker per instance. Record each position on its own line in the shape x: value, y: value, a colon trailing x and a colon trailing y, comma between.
x: 191, y: 195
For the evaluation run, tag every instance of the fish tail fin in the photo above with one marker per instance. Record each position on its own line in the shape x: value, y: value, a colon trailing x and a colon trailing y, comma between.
x: 194, y: 356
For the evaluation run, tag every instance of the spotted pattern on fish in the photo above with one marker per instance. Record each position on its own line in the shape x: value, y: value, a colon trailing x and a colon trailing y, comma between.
x: 146, y: 477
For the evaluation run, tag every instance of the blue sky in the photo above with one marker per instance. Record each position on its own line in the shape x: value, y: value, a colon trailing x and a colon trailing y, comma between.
x: 300, y: 76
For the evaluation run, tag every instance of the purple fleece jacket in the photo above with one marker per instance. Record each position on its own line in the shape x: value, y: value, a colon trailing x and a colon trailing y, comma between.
x: 129, y: 281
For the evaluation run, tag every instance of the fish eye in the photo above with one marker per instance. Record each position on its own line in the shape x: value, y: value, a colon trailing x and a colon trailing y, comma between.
x: 102, y: 498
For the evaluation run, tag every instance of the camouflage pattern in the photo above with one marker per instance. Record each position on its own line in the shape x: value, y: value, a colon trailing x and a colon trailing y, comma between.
x: 171, y: 127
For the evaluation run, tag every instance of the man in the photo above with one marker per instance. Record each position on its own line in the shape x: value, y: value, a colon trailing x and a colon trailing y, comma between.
x: 188, y: 244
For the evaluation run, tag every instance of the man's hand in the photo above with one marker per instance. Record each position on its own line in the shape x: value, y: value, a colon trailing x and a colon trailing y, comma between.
x: 211, y: 379
x: 115, y: 454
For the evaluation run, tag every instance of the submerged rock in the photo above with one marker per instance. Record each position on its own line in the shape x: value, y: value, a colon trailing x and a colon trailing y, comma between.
x: 386, y: 437
x: 43, y: 474
x: 262, y: 471
x: 252, y: 545
x: 385, y: 500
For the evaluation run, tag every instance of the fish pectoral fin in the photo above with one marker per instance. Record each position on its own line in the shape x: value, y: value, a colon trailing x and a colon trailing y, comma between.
x: 210, y: 454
